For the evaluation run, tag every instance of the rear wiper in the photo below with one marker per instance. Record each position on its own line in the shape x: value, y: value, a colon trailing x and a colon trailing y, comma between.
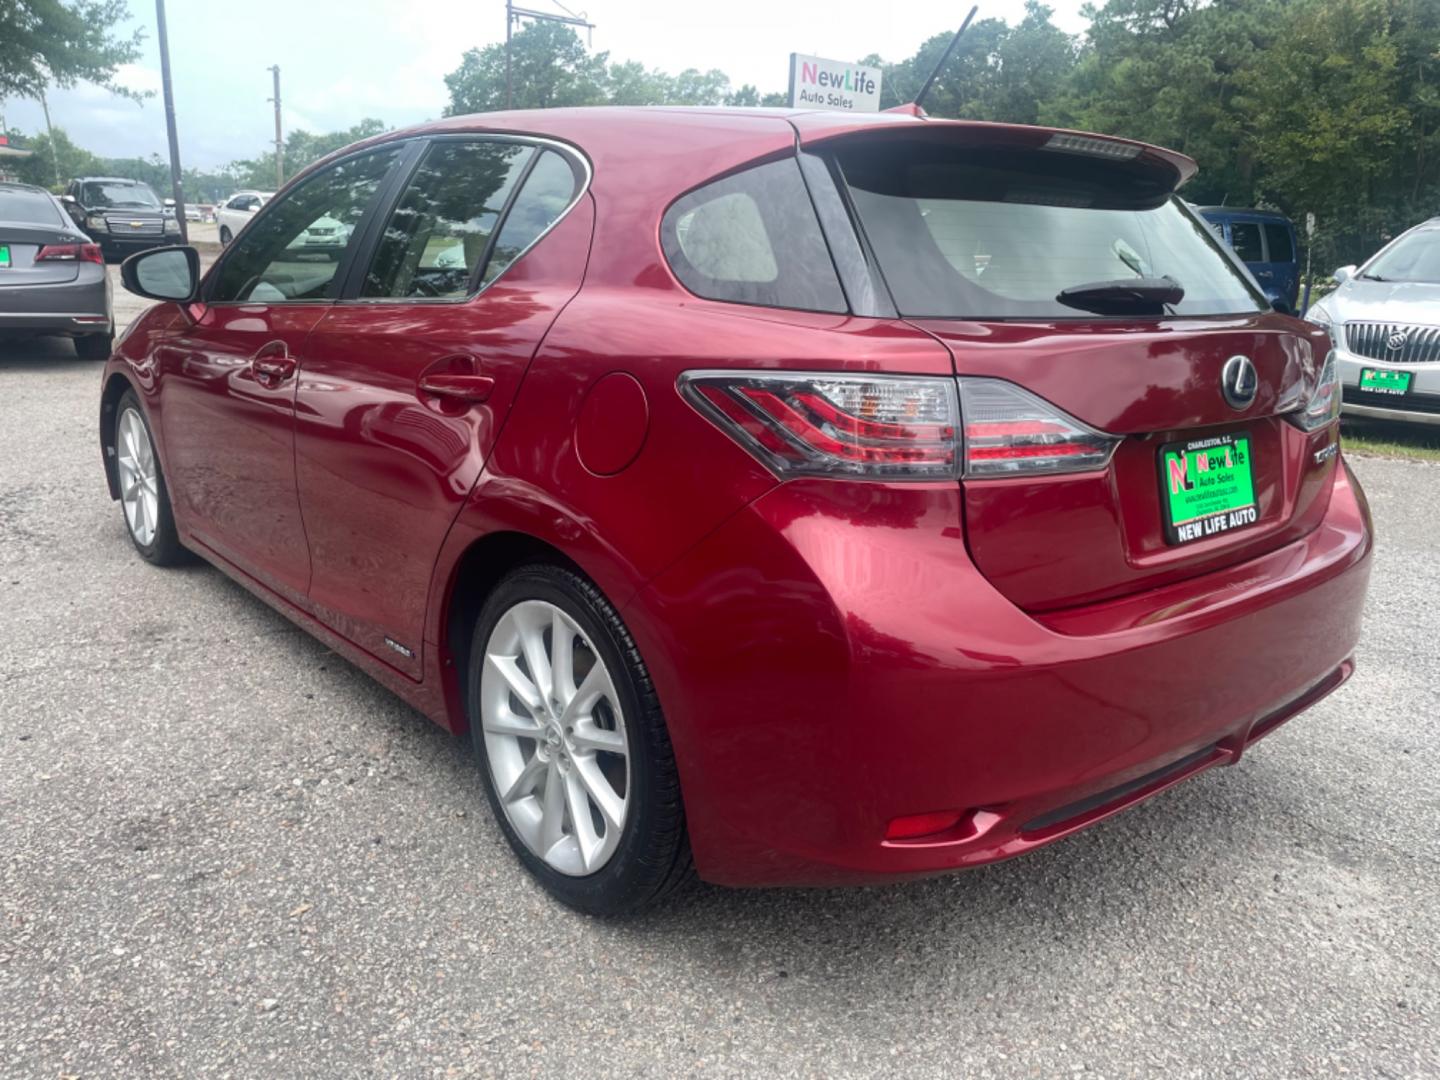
x: 1141, y: 296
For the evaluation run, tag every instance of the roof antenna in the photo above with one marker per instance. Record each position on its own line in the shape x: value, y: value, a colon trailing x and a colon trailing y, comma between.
x: 914, y: 108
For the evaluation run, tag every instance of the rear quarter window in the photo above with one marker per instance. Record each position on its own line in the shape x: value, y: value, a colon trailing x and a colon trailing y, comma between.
x: 753, y: 238
x: 1277, y: 239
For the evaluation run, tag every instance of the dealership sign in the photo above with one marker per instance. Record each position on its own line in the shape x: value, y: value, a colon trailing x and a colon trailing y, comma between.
x: 831, y: 84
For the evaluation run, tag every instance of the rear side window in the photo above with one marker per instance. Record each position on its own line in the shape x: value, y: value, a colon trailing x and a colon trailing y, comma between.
x: 27, y: 208
x: 1277, y: 239
x: 752, y: 238
x: 548, y: 190
x: 976, y: 232
x: 1245, y: 239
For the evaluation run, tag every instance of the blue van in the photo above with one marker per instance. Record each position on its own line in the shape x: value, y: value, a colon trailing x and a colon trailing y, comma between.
x: 1265, y: 242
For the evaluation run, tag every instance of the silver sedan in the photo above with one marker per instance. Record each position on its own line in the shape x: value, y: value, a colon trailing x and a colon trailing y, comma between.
x: 1384, y: 320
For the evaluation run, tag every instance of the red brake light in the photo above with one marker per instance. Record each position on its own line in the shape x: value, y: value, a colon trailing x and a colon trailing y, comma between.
x: 1009, y: 431
x: 70, y: 253
x: 882, y: 427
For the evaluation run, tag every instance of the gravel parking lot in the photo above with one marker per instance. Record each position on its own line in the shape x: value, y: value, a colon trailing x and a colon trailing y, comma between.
x: 224, y: 851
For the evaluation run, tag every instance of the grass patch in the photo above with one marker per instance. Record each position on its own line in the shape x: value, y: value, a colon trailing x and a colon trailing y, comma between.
x: 1385, y: 439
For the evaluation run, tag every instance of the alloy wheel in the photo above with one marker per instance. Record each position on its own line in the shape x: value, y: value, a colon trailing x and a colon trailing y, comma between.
x: 139, y: 484
x: 555, y: 738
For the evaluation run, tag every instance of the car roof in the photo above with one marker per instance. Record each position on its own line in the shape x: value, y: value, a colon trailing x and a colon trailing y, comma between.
x: 676, y: 147
x: 19, y: 188
x: 110, y: 180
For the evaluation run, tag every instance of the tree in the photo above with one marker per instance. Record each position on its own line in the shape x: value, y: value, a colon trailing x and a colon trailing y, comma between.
x: 51, y: 158
x: 550, y: 68
x: 301, y: 149
x: 63, y: 42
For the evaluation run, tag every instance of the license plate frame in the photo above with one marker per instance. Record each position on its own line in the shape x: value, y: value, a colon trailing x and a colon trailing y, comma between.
x: 1385, y: 382
x: 1199, y: 498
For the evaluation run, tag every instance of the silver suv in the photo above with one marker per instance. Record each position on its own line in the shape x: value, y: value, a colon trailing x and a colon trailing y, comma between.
x: 1384, y: 320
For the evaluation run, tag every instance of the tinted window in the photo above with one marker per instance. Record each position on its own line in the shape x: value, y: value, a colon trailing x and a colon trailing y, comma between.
x: 99, y: 195
x: 752, y: 238
x: 439, y: 231
x: 29, y: 208
x: 1245, y: 239
x: 964, y: 233
x: 1277, y: 239
x: 547, y: 192
x: 293, y: 251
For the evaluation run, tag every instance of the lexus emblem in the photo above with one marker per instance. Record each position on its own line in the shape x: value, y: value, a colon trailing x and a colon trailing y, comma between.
x: 1396, y: 341
x: 1238, y: 382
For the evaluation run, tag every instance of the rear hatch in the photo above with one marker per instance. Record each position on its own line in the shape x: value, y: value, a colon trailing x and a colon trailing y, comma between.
x: 1062, y: 264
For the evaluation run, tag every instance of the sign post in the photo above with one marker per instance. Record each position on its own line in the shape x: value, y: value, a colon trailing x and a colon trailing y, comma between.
x: 816, y: 83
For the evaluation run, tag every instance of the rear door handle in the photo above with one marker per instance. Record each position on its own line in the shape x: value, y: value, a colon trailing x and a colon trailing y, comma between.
x: 272, y: 364
x: 474, y: 388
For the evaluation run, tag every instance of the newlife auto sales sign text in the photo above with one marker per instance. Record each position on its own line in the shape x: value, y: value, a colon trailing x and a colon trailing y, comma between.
x: 830, y: 84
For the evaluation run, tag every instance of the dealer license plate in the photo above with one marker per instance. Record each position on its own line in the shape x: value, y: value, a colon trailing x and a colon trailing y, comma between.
x: 1374, y: 381
x: 1206, y: 487
x: 4, y: 256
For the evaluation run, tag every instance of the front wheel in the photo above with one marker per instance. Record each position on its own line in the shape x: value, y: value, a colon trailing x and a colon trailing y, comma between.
x: 143, y: 495
x: 574, y: 751
x: 225, y: 236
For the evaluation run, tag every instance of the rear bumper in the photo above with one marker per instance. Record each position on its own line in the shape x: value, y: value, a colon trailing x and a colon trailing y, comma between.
x: 831, y: 660
x: 73, y: 307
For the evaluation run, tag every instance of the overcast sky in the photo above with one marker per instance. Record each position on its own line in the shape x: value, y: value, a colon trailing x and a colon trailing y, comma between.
x: 342, y: 60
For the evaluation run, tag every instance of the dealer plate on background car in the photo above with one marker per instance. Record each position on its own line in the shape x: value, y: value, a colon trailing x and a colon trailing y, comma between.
x: 4, y: 256
x: 1206, y: 487
x: 1378, y: 381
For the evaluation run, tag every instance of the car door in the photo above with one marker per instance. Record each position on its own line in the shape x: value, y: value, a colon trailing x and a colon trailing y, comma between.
x: 228, y: 377
x: 405, y: 383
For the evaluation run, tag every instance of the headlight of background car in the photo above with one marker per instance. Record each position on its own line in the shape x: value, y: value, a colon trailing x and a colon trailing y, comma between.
x: 1321, y: 318
x: 172, y: 225
x: 96, y: 223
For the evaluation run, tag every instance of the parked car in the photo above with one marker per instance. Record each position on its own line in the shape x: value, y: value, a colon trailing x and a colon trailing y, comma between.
x: 193, y: 213
x: 52, y: 278
x: 1385, y: 322
x: 122, y: 216
x: 234, y: 213
x: 1264, y: 240
x: 735, y: 512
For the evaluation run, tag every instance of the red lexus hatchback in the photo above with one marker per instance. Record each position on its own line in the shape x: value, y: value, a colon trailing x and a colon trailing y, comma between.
x: 804, y: 497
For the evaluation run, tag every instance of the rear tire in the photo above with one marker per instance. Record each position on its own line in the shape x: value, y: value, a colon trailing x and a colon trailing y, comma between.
x: 578, y: 720
x: 95, y: 346
x: 144, y: 498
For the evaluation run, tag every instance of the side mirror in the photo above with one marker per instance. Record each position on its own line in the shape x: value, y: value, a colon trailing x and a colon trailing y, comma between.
x: 68, y: 200
x: 170, y: 203
x: 170, y: 273
x: 1344, y: 274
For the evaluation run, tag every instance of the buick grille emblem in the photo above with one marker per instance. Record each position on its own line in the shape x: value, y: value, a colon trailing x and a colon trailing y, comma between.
x: 1396, y: 341
x: 1238, y: 382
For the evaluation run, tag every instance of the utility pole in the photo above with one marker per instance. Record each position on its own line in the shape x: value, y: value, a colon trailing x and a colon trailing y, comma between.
x: 514, y: 14
x: 178, y: 192
x: 50, y: 131
x: 279, y: 139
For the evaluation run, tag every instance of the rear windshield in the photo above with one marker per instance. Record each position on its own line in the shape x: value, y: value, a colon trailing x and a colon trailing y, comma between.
x: 28, y: 208
x: 976, y: 234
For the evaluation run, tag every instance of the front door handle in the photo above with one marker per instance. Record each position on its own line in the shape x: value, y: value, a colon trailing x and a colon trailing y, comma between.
x: 272, y: 364
x: 457, y: 387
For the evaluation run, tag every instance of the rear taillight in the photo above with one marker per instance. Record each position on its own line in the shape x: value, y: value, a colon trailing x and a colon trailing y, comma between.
x: 894, y: 427
x: 864, y: 426
x: 1010, y: 431
x: 70, y: 253
x: 1324, y: 404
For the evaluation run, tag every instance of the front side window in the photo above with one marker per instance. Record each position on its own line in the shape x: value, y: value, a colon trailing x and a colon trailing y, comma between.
x: 975, y: 233
x: 753, y: 238
x: 1277, y: 239
x: 441, y: 227
x: 293, y: 252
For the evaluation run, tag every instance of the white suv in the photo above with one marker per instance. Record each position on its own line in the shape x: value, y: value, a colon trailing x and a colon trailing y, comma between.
x: 235, y: 211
